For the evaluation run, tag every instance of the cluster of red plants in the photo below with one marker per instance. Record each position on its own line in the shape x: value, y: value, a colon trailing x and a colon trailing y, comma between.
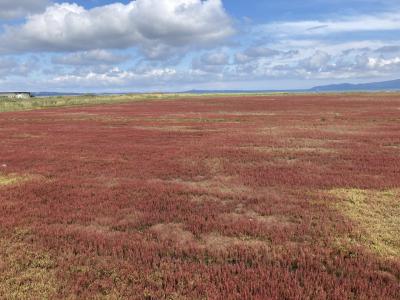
x: 215, y: 198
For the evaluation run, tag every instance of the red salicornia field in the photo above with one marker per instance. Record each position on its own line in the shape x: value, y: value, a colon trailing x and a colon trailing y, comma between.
x: 245, y: 197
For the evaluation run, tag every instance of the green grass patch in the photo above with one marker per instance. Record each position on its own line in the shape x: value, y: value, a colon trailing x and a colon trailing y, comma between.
x: 25, y: 272
x: 8, y: 180
x: 7, y: 104
x: 13, y: 179
x: 67, y: 101
x: 378, y: 215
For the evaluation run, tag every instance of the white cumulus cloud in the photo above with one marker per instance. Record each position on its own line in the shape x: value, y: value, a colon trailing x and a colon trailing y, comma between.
x: 150, y: 25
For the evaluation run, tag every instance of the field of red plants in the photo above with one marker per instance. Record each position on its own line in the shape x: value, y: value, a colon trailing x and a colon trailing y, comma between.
x: 245, y: 197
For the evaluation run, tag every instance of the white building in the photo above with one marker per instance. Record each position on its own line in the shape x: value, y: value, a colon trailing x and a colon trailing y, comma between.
x: 15, y: 95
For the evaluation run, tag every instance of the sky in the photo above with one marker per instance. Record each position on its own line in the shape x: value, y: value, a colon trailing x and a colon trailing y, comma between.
x: 178, y: 45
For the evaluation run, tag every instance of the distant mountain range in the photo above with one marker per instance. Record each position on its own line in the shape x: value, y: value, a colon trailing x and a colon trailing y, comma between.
x: 392, y: 85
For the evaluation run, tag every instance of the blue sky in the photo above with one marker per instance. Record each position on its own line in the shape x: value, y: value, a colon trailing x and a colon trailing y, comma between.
x: 175, y: 45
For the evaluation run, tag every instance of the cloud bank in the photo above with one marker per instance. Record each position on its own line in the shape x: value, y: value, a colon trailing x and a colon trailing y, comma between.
x: 11, y: 9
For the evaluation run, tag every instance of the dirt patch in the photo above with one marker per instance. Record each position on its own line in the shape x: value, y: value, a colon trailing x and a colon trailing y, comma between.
x: 215, y: 241
x: 28, y: 136
x: 108, y: 226
x: 177, y: 236
x: 224, y: 185
x: 93, y: 229
x: 215, y: 165
x: 187, y: 129
x: 173, y: 233
x: 394, y: 146
x: 314, y: 143
x: 106, y: 181
x: 246, y: 113
x: 277, y: 150
x: 207, y: 198
x: 255, y: 217
x: 345, y: 129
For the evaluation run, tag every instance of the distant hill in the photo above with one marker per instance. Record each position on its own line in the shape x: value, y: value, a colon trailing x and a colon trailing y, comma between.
x: 52, y: 94
x: 391, y: 85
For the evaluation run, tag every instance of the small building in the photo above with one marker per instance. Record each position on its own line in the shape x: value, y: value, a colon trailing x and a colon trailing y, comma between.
x: 16, y: 95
